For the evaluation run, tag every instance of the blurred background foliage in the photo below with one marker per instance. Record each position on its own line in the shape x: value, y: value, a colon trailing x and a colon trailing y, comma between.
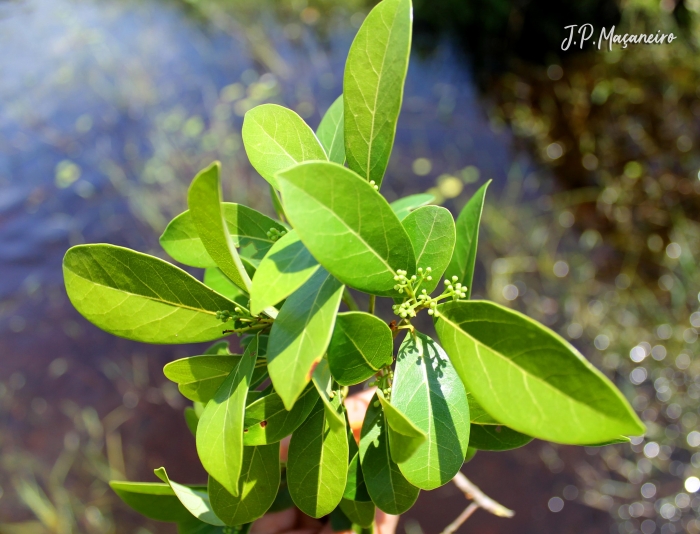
x: 107, y: 110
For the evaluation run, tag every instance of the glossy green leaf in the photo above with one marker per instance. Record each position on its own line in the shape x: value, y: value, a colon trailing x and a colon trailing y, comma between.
x: 151, y: 499
x: 301, y: 333
x: 256, y: 488
x: 355, y: 487
x: 219, y: 282
x: 347, y: 226
x: 283, y: 500
x: 331, y: 132
x: 220, y: 429
x: 464, y: 257
x: 194, y: 498
x: 428, y: 391
x: 285, y: 268
x: 267, y: 420
x: 361, y: 345
x: 616, y: 441
x: 204, y: 200
x: 360, y: 513
x: 317, y: 465
x: 405, y: 438
x: 323, y: 381
x: 389, y: 489
x: 488, y: 434
x: 339, y: 521
x: 276, y: 138
x: 403, y: 206
x: 247, y: 227
x: 199, y: 377
x: 432, y: 233
x: 373, y: 87
x: 140, y: 297
x: 191, y: 419
x: 529, y: 378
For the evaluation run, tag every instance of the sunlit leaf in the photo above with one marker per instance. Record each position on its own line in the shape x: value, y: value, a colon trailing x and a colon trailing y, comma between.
x: 529, y: 378
x: 323, y: 381
x: 275, y: 138
x: 405, y: 438
x: 194, y: 498
x: 301, y: 333
x: 431, y: 395
x: 432, y: 233
x: 373, y: 87
x: 317, y: 465
x: 152, y: 499
x: 199, y: 377
x: 403, y: 206
x: 140, y: 297
x: 347, y: 226
x: 331, y: 132
x: 360, y: 513
x: 488, y: 434
x: 219, y: 282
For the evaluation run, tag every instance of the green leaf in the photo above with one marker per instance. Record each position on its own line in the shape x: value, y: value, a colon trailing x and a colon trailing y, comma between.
x: 361, y: 345
x: 360, y: 513
x: 248, y: 229
x: 140, y: 297
x: 199, y: 377
x: 331, y: 132
x: 323, y: 381
x: 339, y: 521
x: 284, y: 269
x: 373, y: 87
x: 283, y: 500
x: 405, y: 438
x: 355, y: 487
x: 529, y: 378
x: 488, y: 434
x: 432, y: 233
x: 151, y: 499
x: 256, y: 488
x: 267, y: 421
x: 301, y: 333
x: 464, y: 257
x: 403, y: 206
x: 194, y: 498
x: 347, y: 226
x: 389, y: 489
x: 220, y: 429
x: 275, y: 138
x: 428, y: 391
x: 219, y: 282
x: 317, y: 465
x: 195, y: 526
x: 191, y: 419
x: 204, y: 201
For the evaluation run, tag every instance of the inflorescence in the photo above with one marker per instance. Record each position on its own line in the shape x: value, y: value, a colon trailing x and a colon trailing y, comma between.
x: 274, y: 234
x: 243, y: 320
x: 418, y: 301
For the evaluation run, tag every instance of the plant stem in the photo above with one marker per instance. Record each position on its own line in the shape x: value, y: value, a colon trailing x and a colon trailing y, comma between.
x: 469, y: 510
x: 471, y: 491
x: 372, y: 302
x: 349, y: 300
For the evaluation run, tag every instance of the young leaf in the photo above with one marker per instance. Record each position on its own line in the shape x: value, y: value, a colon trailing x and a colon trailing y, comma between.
x: 488, y: 434
x: 199, y: 377
x: 331, y: 132
x: 204, y: 201
x: 267, y: 421
x: 404, y: 437
x: 317, y: 465
x: 529, y: 378
x: 191, y: 419
x: 464, y: 257
x: 301, y: 333
x: 256, y: 488
x: 373, y: 87
x: 432, y: 233
x: 347, y: 226
x: 248, y: 229
x: 219, y: 282
x: 361, y: 345
x: 151, y: 499
x: 360, y: 513
x: 323, y: 381
x: 194, y: 498
x: 276, y: 138
x: 427, y: 389
x: 140, y: 297
x: 220, y: 429
x: 389, y: 489
x: 284, y: 269
x: 403, y: 206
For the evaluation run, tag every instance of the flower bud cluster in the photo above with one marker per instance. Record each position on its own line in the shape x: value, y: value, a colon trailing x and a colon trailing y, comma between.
x: 374, y: 184
x: 419, y: 301
x: 274, y: 234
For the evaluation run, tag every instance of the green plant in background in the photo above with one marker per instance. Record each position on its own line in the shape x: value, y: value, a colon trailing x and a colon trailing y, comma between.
x: 496, y: 380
